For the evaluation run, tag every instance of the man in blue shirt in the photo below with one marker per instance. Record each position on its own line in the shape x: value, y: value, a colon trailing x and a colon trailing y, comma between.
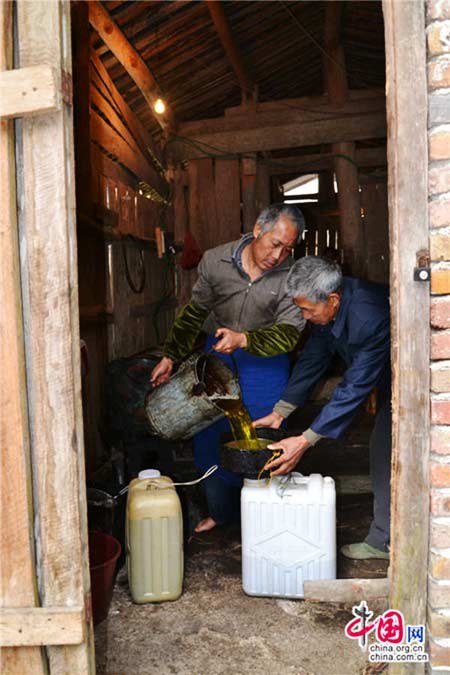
x: 350, y: 317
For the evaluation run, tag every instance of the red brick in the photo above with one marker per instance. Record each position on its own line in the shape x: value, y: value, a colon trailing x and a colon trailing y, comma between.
x: 438, y: 624
x: 440, y: 412
x: 440, y: 280
x: 440, y: 312
x: 440, y: 567
x: 439, y: 179
x: 440, y: 345
x: 439, y: 210
x: 439, y: 145
x: 438, y: 9
x: 440, y: 537
x: 439, y: 38
x: 440, y: 440
x: 438, y: 594
x: 439, y: 655
x: 440, y: 379
x: 439, y: 73
x: 439, y: 504
x: 439, y: 246
x: 439, y: 475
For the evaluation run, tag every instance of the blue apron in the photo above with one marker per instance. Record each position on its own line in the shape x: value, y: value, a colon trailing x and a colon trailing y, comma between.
x: 262, y: 380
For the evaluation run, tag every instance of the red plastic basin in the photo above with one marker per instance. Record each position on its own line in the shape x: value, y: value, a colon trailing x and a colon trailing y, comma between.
x: 104, y: 551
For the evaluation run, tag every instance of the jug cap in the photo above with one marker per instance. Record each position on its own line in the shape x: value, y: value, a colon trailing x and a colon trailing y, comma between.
x: 149, y: 473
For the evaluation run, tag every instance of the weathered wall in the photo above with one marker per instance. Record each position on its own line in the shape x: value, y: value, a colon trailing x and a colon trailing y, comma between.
x: 438, y: 35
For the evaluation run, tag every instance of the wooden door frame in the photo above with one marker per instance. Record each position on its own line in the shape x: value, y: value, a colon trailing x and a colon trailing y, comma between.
x: 406, y: 92
x: 44, y: 577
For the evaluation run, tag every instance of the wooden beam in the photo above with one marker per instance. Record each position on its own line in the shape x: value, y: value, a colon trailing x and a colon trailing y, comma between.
x: 52, y: 339
x: 17, y: 573
x: 109, y: 139
x: 32, y: 626
x: 307, y: 109
x: 117, y: 130
x: 348, y: 591
x: 359, y: 127
x: 335, y: 76
x: 217, y: 12
x: 405, y: 39
x: 102, y: 80
x: 365, y: 157
x: 29, y: 91
x: 131, y: 61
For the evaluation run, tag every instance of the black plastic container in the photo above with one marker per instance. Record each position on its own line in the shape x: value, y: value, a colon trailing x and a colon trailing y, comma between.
x: 248, y: 463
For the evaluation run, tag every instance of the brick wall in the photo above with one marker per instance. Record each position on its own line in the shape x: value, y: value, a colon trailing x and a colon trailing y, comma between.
x: 438, y: 66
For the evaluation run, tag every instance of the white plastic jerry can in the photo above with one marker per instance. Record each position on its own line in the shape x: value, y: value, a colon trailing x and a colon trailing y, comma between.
x: 288, y: 534
x: 154, y: 537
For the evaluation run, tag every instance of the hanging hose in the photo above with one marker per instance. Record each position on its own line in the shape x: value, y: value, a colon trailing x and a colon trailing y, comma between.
x: 136, y: 288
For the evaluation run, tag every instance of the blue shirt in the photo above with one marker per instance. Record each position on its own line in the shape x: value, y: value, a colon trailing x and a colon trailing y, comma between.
x: 360, y: 334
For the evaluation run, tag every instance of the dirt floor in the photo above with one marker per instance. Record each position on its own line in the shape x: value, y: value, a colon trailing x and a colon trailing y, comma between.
x: 216, y: 628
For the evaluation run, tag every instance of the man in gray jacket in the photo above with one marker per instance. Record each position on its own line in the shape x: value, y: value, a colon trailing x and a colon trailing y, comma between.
x: 240, y: 301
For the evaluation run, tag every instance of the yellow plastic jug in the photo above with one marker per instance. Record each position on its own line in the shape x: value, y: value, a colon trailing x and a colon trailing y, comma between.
x: 154, y: 537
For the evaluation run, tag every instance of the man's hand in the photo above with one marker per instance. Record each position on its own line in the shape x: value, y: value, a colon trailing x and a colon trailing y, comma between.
x: 229, y: 340
x: 273, y: 421
x: 293, y: 449
x: 161, y: 372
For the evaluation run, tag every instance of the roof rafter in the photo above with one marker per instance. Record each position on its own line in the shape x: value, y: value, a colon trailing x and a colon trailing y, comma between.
x: 135, y: 66
x: 231, y: 49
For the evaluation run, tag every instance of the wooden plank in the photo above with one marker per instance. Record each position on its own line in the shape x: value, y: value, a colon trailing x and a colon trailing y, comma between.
x: 310, y: 163
x: 349, y: 591
x: 202, y: 208
x: 130, y: 59
x: 376, y: 231
x: 116, y: 123
x: 228, y: 200
x: 28, y: 627
x: 362, y: 126
x: 262, y: 186
x: 52, y: 341
x: 410, y: 302
x: 17, y: 574
x: 82, y: 136
x: 103, y: 134
x: 29, y: 91
x: 249, y: 211
x: 103, y: 81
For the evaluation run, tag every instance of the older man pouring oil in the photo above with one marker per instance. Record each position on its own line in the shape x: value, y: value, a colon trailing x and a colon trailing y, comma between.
x: 350, y: 317
x: 240, y: 301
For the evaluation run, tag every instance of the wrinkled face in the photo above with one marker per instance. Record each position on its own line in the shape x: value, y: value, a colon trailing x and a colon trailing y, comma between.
x: 319, y: 312
x: 271, y: 248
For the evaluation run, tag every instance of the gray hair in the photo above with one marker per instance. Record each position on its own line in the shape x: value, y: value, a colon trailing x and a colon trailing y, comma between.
x: 268, y: 218
x: 314, y: 279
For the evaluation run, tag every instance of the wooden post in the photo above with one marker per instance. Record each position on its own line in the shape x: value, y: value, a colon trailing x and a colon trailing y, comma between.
x: 228, y: 200
x: 248, y: 189
x: 406, y: 88
x: 351, y: 228
x: 50, y: 291
x: 17, y: 573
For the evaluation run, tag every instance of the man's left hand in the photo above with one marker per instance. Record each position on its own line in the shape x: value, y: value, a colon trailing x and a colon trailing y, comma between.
x: 293, y: 449
x: 229, y: 340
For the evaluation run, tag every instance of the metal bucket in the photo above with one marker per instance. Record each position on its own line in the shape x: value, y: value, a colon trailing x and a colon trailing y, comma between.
x: 179, y: 408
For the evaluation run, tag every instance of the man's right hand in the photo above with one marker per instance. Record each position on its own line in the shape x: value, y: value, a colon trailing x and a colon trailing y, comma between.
x: 274, y: 420
x: 161, y: 372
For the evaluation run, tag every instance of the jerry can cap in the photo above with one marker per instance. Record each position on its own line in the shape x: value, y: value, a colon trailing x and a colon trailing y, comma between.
x: 149, y: 473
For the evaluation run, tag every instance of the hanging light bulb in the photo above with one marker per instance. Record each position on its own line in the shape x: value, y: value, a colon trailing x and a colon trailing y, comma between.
x: 159, y: 106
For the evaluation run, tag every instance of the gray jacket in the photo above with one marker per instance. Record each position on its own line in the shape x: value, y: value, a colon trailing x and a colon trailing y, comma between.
x: 234, y: 301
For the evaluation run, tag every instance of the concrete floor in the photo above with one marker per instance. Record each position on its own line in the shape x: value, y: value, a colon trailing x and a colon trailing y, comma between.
x: 214, y: 628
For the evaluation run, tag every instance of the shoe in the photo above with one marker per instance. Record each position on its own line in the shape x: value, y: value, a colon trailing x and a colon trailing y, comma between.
x: 363, y: 551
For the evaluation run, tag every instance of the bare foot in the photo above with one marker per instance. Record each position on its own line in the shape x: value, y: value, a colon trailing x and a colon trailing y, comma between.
x: 205, y: 525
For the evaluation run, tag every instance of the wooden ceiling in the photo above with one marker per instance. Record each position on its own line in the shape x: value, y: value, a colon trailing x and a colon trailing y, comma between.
x: 280, y: 45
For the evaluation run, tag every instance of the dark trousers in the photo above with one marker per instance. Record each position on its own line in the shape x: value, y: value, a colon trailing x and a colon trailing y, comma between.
x: 380, y: 448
